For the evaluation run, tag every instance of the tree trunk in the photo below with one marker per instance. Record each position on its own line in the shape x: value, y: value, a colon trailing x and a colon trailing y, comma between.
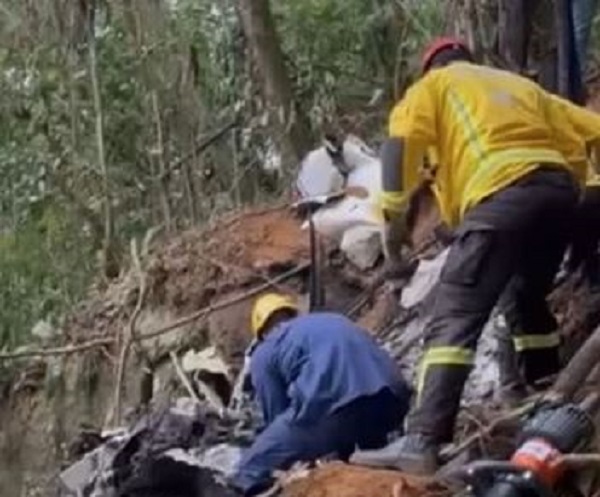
x: 110, y: 255
x: 514, y: 29
x: 163, y: 178
x: 289, y: 126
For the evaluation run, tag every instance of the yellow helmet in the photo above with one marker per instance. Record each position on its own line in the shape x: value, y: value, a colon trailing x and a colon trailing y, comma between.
x: 265, y: 306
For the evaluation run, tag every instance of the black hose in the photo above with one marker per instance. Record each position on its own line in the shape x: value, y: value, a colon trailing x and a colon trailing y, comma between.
x: 316, y: 295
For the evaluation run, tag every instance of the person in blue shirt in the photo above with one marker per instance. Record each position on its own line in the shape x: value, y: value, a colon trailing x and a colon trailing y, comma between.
x: 324, y: 387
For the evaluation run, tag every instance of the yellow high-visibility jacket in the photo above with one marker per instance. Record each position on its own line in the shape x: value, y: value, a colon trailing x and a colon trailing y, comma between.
x: 489, y: 128
x: 580, y: 133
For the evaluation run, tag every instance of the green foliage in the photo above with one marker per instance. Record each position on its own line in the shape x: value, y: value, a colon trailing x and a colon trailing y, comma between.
x: 340, y: 50
x: 43, y: 269
x: 174, y: 70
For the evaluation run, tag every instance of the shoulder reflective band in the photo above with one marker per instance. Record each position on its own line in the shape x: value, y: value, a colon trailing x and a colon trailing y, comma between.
x: 392, y: 201
x: 493, y: 161
x: 533, y: 342
x: 456, y: 356
x: 463, y: 115
x: 488, y: 162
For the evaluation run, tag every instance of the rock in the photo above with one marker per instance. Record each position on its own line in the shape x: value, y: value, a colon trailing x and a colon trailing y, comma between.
x: 362, y: 246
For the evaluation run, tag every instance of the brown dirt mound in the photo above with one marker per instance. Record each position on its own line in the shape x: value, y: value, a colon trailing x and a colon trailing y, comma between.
x: 184, y: 274
x: 197, y: 267
x: 341, y: 480
x: 193, y: 269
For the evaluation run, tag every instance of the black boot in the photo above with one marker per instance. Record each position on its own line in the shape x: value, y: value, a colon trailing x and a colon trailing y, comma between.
x: 413, y: 453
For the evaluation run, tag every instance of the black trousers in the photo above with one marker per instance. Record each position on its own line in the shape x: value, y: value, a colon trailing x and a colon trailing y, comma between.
x: 517, y: 235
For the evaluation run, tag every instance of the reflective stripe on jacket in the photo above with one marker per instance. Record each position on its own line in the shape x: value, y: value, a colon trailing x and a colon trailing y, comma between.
x: 489, y: 128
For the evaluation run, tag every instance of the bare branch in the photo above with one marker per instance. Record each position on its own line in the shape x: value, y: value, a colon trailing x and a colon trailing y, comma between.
x: 202, y: 313
x: 201, y: 146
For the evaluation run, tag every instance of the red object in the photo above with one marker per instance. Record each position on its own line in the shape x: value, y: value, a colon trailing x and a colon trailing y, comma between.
x: 542, y: 459
x: 439, y: 44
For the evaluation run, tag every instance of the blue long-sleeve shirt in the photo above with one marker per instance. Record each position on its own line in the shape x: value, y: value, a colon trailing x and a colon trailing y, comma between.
x: 317, y: 363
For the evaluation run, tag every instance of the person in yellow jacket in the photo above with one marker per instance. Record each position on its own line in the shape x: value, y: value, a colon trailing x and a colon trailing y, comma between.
x: 578, y: 140
x: 584, y: 125
x: 505, y: 186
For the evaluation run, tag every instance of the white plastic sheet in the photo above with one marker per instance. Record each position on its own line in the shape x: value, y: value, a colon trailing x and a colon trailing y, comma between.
x: 353, y: 222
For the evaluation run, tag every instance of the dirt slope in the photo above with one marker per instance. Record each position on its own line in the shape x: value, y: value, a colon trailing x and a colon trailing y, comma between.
x: 340, y: 480
x: 50, y: 399
x: 193, y: 270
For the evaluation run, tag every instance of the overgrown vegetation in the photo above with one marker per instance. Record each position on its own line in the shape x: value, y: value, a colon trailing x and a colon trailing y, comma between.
x: 106, y: 105
x: 123, y: 116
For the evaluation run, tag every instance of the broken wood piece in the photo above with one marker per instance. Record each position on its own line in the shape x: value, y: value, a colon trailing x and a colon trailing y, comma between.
x: 183, y: 377
x: 486, y: 431
x: 574, y: 375
x: 209, y: 394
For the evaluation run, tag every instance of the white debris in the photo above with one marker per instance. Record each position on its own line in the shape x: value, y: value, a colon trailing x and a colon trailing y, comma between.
x: 319, y: 175
x: 405, y: 343
x: 207, y: 359
x: 362, y: 246
x: 222, y: 458
x: 43, y: 330
x: 424, y: 280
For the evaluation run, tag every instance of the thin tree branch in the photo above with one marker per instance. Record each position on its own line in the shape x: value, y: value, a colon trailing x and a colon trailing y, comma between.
x: 200, y: 147
x: 183, y: 377
x: 205, y: 311
x: 163, y: 178
x: 491, y: 427
x: 130, y: 332
x: 65, y: 350
x: 578, y: 460
x: 108, y: 215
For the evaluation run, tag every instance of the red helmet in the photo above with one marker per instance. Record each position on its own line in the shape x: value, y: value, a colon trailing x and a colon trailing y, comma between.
x: 439, y: 44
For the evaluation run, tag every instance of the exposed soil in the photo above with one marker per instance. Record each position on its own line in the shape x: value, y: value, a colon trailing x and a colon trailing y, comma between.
x: 341, y: 480
x: 197, y: 269
x: 192, y: 269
